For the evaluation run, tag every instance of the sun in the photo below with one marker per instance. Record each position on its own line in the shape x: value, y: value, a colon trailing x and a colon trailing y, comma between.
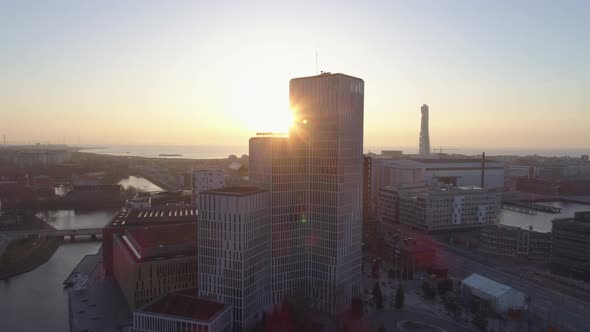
x: 273, y: 120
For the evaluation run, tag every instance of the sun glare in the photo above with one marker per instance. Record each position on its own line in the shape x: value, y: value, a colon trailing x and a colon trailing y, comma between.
x: 271, y: 120
x: 278, y: 121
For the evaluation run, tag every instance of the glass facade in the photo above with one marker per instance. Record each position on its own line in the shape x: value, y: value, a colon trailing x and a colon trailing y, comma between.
x: 315, y: 177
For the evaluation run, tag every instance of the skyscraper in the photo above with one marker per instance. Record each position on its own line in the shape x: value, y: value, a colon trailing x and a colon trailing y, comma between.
x: 315, y: 179
x: 234, y: 251
x: 424, y: 132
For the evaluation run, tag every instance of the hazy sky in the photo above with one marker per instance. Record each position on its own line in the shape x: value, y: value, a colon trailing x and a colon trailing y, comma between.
x: 495, y: 73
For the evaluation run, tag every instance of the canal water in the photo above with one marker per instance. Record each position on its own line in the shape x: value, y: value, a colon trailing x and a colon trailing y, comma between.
x: 541, y: 221
x: 36, y: 300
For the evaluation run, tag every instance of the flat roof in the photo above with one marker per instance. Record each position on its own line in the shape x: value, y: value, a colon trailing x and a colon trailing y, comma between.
x: 164, y: 236
x: 325, y: 74
x: 158, y: 214
x: 450, y: 160
x: 486, y: 286
x: 185, y: 304
x: 234, y: 191
x: 160, y: 242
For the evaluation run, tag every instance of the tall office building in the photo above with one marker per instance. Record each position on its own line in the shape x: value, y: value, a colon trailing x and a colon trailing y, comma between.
x: 315, y: 178
x: 234, y: 251
x: 424, y: 132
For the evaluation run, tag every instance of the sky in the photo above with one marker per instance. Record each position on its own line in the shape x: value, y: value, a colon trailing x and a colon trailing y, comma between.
x: 498, y: 74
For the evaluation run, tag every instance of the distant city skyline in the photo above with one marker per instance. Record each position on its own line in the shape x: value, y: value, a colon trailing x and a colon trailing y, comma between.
x: 499, y: 75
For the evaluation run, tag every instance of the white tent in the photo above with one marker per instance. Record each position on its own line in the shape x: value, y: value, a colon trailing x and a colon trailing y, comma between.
x: 499, y: 296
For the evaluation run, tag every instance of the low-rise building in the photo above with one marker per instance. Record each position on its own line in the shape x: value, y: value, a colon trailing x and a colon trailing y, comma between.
x: 388, y: 200
x: 501, y: 298
x: 515, y: 242
x: 418, y: 171
x: 28, y: 158
x: 155, y: 260
x: 173, y: 216
x: 183, y: 311
x: 140, y: 201
x: 440, y: 208
x: 571, y: 245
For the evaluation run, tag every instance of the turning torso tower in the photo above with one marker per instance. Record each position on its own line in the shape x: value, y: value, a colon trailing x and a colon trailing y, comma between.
x: 424, y: 146
x: 315, y: 180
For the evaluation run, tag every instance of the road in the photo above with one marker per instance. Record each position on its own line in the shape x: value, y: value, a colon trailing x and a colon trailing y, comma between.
x: 390, y: 318
x: 560, y: 308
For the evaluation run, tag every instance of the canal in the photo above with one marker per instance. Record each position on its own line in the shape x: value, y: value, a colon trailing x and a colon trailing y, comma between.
x: 541, y: 221
x: 36, y: 300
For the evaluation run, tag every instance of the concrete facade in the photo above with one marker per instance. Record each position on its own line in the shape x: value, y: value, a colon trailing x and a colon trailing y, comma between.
x: 511, y: 241
x: 234, y: 251
x: 440, y: 208
x: 571, y: 245
x: 206, y: 179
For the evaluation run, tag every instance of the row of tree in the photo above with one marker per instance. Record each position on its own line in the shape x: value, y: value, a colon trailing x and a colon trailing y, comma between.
x: 399, y: 296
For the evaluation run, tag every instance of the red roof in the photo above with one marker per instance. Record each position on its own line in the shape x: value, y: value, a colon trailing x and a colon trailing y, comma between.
x: 159, y: 236
x: 184, y: 304
x: 155, y: 242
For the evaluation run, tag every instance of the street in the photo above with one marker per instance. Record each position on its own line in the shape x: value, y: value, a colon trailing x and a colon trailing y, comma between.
x: 561, y: 309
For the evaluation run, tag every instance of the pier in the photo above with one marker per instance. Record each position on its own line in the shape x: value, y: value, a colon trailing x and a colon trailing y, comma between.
x: 529, y: 208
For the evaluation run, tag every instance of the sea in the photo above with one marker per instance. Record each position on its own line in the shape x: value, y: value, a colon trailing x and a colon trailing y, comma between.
x: 223, y: 151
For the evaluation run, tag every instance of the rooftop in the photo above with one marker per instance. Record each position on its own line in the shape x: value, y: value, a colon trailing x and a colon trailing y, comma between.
x: 156, y: 215
x: 161, y: 236
x: 326, y: 74
x: 184, y: 304
x: 156, y: 242
x: 486, y: 286
x: 271, y: 134
x: 450, y: 161
x: 235, y: 191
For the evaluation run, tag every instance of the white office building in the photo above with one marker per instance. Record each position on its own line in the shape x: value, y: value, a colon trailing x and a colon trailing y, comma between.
x: 234, y: 251
x: 206, y: 179
x: 315, y: 179
x: 439, y: 208
x: 456, y: 172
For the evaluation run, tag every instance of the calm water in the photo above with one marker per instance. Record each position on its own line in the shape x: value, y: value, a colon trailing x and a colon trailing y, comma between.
x: 188, y: 152
x: 210, y: 152
x: 139, y: 183
x: 36, y: 301
x: 68, y: 219
x: 541, y: 221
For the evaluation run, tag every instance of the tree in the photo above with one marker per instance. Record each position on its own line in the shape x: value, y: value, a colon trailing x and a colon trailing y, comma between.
x: 399, y: 297
x: 428, y: 291
x: 453, y: 307
x: 480, y: 320
x: 444, y: 286
x: 378, y: 295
